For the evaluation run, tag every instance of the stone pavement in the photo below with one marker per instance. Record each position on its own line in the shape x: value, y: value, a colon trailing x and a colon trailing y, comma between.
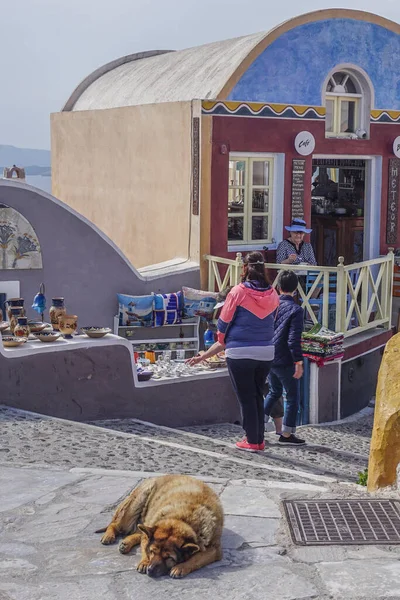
x: 60, y: 480
x: 49, y: 551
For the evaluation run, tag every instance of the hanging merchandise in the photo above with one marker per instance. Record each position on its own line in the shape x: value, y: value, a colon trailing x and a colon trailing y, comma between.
x: 39, y: 302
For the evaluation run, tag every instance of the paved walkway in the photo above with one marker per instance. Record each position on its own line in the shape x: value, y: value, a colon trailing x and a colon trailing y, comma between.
x: 59, y: 481
x: 334, y: 452
x: 49, y: 551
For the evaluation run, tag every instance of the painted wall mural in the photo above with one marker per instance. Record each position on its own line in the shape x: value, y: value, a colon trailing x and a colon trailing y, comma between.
x: 19, y: 246
x: 292, y: 70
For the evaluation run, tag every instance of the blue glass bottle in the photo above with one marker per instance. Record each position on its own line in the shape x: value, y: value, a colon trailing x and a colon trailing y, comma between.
x: 209, y: 336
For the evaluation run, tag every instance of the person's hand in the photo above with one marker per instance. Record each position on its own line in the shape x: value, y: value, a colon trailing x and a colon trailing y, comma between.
x: 298, y: 371
x: 292, y: 257
x: 195, y: 360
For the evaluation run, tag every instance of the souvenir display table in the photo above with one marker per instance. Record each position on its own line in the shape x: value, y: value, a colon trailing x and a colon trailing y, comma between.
x: 86, y: 379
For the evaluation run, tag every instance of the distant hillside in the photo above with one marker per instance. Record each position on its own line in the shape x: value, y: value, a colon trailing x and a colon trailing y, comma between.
x: 23, y: 157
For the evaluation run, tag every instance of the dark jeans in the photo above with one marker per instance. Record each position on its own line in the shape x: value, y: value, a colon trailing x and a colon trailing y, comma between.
x: 279, y: 379
x: 248, y: 379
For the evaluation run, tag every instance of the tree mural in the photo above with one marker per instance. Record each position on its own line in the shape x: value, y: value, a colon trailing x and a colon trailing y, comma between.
x: 19, y: 245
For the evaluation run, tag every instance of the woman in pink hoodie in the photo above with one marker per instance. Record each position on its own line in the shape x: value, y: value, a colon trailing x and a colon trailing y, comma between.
x: 246, y: 329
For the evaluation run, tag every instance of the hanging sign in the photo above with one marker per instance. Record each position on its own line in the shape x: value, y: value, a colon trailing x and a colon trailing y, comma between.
x: 396, y: 147
x: 304, y: 143
x: 393, y: 201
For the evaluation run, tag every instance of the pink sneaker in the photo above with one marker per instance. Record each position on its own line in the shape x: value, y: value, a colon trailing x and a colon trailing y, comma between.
x: 261, y: 446
x: 244, y: 445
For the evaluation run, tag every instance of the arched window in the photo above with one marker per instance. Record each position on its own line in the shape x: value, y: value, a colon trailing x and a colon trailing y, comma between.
x: 348, y: 101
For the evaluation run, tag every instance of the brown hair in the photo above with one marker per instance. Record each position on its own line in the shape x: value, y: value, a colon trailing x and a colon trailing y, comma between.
x: 254, y: 269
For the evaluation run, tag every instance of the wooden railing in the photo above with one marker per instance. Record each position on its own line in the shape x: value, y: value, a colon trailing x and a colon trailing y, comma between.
x: 347, y: 298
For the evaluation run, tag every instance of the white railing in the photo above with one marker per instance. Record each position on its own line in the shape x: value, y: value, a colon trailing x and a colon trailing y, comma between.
x: 347, y: 298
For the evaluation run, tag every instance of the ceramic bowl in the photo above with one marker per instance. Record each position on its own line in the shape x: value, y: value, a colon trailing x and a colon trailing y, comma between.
x: 47, y: 336
x: 36, y: 326
x: 144, y: 375
x: 96, y: 332
x: 9, y: 341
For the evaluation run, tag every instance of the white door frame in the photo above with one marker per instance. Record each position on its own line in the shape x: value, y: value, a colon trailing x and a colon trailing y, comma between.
x: 372, y: 203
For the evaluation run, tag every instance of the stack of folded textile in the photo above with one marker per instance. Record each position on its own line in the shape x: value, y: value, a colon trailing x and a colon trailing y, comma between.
x: 322, y: 345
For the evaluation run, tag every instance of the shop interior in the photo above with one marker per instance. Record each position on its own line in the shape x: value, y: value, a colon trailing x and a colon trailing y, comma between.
x: 337, y: 207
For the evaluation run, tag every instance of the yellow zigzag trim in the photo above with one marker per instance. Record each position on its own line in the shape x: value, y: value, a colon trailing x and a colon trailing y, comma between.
x: 393, y: 114
x: 258, y: 106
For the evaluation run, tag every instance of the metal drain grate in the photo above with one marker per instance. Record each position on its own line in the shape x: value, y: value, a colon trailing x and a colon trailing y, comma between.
x: 342, y: 522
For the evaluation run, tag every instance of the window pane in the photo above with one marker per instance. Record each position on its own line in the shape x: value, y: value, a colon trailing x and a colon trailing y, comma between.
x: 260, y: 172
x: 259, y: 228
x: 260, y: 200
x: 329, y: 119
x: 237, y: 172
x: 235, y: 228
x: 236, y: 200
x: 347, y: 116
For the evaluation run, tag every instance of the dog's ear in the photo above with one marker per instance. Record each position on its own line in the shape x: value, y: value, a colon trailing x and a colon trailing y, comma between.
x: 148, y: 531
x: 190, y: 548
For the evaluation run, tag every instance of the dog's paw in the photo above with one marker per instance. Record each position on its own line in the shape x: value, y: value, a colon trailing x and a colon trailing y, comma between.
x: 142, y: 566
x: 108, y: 538
x: 124, y: 548
x: 178, y: 571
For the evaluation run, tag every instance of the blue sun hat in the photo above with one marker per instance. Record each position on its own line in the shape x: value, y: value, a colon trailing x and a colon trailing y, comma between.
x: 298, y: 225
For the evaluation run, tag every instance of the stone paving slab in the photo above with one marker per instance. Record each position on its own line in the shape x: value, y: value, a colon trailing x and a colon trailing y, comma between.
x: 49, y: 551
x: 371, y: 578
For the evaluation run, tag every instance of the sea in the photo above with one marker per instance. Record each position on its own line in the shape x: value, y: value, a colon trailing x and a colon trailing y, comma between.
x: 39, y: 181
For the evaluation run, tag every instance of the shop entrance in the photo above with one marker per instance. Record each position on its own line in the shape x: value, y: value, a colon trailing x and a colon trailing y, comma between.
x: 345, y: 212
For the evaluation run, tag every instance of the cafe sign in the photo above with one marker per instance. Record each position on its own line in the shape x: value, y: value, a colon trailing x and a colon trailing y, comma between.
x: 393, y: 201
x: 304, y: 143
x: 396, y: 147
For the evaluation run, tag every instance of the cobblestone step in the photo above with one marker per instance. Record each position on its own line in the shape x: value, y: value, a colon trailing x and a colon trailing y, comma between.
x: 32, y: 439
x: 320, y: 459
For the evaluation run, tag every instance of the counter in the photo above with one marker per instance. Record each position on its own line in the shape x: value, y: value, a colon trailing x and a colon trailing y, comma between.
x: 87, y: 379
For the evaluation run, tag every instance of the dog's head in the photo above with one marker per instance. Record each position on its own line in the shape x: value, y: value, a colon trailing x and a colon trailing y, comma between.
x: 168, y: 544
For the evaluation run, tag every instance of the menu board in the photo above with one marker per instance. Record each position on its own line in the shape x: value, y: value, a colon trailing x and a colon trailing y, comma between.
x: 298, y: 173
x: 393, y: 201
x: 196, y: 166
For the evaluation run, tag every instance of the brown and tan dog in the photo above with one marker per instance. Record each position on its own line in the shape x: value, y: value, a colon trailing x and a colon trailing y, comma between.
x: 176, y: 519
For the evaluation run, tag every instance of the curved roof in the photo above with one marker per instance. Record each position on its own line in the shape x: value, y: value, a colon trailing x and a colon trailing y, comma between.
x: 203, y: 72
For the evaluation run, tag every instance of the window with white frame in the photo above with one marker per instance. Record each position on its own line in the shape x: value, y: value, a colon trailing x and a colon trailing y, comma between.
x: 343, y: 101
x: 250, y: 199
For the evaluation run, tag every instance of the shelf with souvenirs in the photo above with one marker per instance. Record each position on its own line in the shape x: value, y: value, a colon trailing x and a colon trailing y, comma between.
x: 164, y: 330
x: 182, y: 336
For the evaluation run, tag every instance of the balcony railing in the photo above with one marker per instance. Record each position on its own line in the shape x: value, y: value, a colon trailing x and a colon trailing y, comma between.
x: 347, y: 298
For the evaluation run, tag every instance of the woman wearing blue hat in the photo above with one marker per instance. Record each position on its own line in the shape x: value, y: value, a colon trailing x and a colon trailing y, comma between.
x: 294, y: 250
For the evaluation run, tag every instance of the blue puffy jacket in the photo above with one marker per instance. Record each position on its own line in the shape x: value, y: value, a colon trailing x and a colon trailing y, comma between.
x: 288, y: 329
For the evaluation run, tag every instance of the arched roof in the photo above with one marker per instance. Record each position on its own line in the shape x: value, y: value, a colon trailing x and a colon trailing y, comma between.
x: 203, y: 72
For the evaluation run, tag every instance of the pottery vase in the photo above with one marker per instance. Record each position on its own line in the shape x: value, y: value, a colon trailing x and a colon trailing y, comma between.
x: 22, y: 328
x: 56, y: 310
x: 14, y: 302
x: 16, y: 312
x: 68, y: 324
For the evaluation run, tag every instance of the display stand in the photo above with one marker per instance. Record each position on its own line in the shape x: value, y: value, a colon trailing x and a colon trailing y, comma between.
x: 183, y: 336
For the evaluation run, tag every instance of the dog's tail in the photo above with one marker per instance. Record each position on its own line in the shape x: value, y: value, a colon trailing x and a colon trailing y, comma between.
x: 102, y: 530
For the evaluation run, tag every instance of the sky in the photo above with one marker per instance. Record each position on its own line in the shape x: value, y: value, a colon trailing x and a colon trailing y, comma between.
x: 49, y: 46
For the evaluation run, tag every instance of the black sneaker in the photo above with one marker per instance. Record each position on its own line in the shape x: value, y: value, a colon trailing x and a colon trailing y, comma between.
x: 292, y: 440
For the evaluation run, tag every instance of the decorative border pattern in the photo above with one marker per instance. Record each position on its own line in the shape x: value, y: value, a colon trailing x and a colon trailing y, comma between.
x: 385, y: 116
x: 257, y: 109
x: 196, y: 166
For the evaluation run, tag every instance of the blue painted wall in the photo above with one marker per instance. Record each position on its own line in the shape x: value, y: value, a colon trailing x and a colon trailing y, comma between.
x: 292, y: 69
